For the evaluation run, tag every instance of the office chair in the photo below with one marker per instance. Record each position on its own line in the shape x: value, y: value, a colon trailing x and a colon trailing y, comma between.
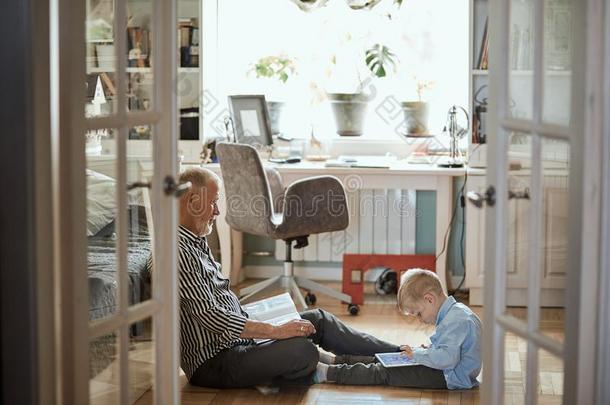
x: 258, y: 203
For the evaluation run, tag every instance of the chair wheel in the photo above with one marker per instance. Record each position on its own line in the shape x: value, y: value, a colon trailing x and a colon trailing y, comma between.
x: 310, y: 299
x: 353, y: 309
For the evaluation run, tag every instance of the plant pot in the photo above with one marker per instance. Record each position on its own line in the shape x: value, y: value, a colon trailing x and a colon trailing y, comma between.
x: 349, y: 111
x: 275, y: 115
x: 416, y: 117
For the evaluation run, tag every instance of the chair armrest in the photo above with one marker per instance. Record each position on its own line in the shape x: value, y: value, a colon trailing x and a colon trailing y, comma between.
x: 315, y: 205
x: 277, y: 189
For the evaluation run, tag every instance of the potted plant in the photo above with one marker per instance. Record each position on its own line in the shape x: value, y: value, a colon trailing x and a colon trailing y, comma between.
x: 349, y: 109
x: 416, y: 112
x: 279, y: 68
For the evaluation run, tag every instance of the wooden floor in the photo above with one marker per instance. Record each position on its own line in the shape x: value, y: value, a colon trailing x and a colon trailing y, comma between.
x: 380, y: 317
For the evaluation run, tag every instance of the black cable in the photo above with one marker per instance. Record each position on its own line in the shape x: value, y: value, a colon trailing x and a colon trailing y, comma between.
x: 463, y: 204
x: 462, y: 245
x: 448, y: 228
x: 463, y: 230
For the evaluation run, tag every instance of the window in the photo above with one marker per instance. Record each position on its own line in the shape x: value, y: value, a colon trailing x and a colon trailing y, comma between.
x: 327, y: 45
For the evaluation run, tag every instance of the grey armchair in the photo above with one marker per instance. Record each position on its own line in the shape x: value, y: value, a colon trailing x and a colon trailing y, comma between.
x: 258, y: 203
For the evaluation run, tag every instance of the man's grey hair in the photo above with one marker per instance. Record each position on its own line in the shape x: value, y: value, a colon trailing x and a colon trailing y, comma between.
x: 199, y: 177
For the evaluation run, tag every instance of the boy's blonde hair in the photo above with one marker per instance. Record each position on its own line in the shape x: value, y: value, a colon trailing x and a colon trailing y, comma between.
x: 415, y: 283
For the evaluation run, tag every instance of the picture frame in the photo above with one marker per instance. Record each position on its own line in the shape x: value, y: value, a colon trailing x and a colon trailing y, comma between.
x: 250, y: 117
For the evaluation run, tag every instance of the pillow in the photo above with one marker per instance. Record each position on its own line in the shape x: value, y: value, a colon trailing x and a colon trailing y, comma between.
x: 101, y: 201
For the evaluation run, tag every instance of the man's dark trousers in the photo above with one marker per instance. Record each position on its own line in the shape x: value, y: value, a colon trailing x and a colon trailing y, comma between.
x: 290, y: 359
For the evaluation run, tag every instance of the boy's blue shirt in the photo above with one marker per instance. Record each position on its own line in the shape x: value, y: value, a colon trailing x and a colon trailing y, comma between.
x: 456, y: 345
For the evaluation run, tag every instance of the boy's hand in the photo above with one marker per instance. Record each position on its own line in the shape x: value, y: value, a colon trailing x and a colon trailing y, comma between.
x: 406, y: 349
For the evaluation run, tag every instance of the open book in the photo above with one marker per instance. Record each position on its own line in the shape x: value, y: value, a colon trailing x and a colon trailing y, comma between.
x: 276, y: 310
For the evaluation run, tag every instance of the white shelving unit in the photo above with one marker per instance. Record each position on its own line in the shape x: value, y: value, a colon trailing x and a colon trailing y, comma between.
x: 554, y: 182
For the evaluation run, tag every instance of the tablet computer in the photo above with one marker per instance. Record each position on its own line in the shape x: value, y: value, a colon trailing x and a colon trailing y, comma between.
x: 395, y: 359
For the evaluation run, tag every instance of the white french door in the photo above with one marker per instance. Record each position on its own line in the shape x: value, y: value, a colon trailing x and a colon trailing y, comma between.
x: 543, y: 167
x: 115, y: 125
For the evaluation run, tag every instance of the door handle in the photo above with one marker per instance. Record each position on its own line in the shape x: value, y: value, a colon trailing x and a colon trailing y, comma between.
x: 478, y: 199
x: 172, y: 188
x: 138, y: 184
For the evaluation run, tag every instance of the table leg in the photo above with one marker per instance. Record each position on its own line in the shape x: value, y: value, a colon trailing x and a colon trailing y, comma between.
x: 444, y: 203
x: 224, y: 238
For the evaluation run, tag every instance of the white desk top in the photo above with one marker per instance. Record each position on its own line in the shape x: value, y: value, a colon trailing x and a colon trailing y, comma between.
x: 397, y: 167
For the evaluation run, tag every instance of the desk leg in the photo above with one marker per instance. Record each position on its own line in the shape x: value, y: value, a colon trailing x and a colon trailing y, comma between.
x: 236, y: 255
x: 444, y: 199
x: 224, y: 238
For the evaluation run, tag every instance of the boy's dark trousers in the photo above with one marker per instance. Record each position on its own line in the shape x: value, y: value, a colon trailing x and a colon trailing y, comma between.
x: 290, y: 359
x: 366, y: 371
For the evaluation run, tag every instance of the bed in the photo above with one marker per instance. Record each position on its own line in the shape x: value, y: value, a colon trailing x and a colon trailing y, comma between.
x: 103, y: 287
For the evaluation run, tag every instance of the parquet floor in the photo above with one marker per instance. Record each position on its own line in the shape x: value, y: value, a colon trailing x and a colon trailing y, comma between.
x: 380, y: 317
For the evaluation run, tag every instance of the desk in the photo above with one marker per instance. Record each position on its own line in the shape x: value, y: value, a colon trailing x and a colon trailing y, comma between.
x: 400, y: 175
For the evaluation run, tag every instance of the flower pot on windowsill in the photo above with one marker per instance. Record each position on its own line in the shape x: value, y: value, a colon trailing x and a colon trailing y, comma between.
x: 415, y: 118
x: 349, y: 111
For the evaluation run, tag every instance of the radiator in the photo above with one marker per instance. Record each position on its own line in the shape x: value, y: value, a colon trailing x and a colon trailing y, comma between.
x: 381, y: 222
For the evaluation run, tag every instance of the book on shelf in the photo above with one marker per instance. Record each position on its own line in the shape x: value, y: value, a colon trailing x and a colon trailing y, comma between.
x: 188, y: 42
x: 484, y: 48
x: 138, y: 47
x: 521, y: 43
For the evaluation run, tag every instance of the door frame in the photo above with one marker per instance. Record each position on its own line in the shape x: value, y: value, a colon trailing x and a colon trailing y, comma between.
x: 580, y: 347
x: 74, y: 330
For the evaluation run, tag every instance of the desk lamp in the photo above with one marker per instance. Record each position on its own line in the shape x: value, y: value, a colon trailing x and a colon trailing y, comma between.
x: 456, y: 132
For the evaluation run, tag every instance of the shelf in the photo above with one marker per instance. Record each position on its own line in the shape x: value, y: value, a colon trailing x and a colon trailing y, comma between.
x: 129, y: 70
x: 548, y: 73
x: 99, y: 41
x: 139, y: 70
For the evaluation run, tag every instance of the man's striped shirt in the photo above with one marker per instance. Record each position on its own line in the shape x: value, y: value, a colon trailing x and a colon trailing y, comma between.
x: 211, y: 318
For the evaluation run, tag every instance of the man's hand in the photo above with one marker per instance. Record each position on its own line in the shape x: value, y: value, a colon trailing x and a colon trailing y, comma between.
x: 263, y: 330
x: 406, y: 350
x: 296, y: 327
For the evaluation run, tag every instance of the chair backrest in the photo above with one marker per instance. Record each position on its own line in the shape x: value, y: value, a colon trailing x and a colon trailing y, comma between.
x: 249, y: 202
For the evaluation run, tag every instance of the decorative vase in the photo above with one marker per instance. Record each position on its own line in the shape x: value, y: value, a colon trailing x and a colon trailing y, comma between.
x: 416, y: 118
x: 275, y: 115
x: 349, y: 111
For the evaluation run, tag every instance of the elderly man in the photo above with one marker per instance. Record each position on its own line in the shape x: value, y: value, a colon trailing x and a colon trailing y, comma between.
x: 216, y: 337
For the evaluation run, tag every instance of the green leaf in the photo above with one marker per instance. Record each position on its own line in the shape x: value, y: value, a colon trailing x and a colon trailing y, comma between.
x: 378, y: 59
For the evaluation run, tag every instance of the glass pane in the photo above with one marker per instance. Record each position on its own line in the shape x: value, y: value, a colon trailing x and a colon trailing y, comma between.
x: 141, y: 362
x: 139, y: 55
x: 100, y: 62
x: 554, y: 235
x: 139, y: 214
x: 550, y: 378
x: 104, y: 378
x: 101, y: 215
x: 517, y: 216
x: 521, y: 59
x: 515, y: 369
x: 188, y: 83
x: 557, y: 61
x: 188, y: 102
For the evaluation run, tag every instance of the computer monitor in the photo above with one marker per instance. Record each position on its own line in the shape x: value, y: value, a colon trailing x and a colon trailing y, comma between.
x: 251, y: 122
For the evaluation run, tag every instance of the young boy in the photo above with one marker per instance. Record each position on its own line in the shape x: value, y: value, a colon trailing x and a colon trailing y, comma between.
x: 452, y: 361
